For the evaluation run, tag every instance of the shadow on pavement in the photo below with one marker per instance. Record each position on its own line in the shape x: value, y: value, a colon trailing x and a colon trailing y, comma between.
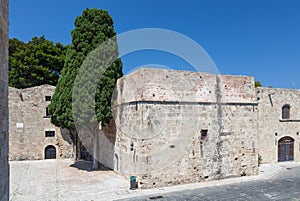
x: 87, y: 166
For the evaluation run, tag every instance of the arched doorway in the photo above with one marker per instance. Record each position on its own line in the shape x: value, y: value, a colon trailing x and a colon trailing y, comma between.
x: 286, y: 149
x: 50, y: 152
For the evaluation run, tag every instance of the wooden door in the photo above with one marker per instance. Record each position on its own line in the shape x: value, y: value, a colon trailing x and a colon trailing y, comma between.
x: 286, y: 149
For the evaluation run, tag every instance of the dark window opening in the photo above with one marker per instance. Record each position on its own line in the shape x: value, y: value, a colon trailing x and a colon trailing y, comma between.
x: 47, y: 112
x: 47, y: 98
x: 131, y: 146
x: 203, y: 134
x: 286, y: 112
x: 50, y: 133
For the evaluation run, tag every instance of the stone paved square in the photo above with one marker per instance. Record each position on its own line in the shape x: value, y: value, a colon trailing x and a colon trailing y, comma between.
x: 57, y: 180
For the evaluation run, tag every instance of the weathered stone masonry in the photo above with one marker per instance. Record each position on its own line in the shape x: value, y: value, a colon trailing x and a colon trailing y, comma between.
x: 176, y: 127
x: 273, y: 127
x: 4, y: 167
x: 29, y: 123
x: 172, y: 127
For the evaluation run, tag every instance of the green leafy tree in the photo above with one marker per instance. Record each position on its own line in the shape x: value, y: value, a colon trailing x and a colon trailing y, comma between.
x: 257, y: 84
x: 95, y: 63
x: 35, y: 63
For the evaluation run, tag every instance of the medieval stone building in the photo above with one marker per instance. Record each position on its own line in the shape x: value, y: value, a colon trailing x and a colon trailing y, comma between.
x: 32, y: 136
x: 279, y: 124
x: 4, y: 167
x: 176, y: 127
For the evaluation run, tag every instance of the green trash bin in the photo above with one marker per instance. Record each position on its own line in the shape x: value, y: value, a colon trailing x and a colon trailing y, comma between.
x: 133, y: 183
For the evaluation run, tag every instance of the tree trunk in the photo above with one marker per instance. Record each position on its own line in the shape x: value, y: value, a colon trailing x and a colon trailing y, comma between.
x: 95, y: 150
x: 74, y: 143
x: 78, y: 147
x: 74, y: 152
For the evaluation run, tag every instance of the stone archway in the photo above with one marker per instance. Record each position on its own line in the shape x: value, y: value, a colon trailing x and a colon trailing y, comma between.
x: 286, y: 149
x: 50, y: 152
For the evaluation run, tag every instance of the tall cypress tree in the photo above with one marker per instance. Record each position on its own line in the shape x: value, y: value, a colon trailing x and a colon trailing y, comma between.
x: 94, y: 55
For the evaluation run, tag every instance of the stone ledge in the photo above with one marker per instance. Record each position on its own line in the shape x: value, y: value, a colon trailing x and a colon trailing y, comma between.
x: 289, y: 120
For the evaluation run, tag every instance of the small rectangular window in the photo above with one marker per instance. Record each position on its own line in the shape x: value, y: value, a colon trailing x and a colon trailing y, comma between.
x: 47, y: 113
x: 47, y: 98
x: 50, y: 133
x: 203, y: 134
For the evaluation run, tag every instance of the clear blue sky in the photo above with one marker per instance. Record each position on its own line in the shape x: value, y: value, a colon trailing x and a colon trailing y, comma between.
x: 260, y: 38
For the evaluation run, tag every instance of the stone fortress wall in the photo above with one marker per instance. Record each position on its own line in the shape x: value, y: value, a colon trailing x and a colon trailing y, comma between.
x: 31, y: 131
x: 176, y: 127
x: 4, y: 166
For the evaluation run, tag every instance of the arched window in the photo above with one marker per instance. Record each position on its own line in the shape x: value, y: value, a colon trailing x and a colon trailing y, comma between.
x: 286, y: 112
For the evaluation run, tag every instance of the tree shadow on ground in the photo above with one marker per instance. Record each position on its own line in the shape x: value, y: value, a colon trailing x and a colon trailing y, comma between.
x: 87, y: 166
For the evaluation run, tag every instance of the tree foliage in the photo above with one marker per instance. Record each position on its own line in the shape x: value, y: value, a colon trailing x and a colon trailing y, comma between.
x: 92, y: 28
x: 257, y: 84
x: 37, y: 62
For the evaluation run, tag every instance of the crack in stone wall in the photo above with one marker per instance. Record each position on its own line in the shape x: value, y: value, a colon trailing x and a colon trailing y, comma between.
x: 220, y: 126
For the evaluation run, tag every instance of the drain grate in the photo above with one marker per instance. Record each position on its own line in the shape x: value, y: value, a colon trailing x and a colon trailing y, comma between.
x: 156, y: 197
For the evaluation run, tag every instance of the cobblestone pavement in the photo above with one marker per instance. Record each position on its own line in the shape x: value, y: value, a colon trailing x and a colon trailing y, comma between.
x: 284, y: 186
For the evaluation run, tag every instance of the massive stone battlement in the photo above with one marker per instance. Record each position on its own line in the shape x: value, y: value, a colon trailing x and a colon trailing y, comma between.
x: 177, y: 127
x: 148, y: 84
